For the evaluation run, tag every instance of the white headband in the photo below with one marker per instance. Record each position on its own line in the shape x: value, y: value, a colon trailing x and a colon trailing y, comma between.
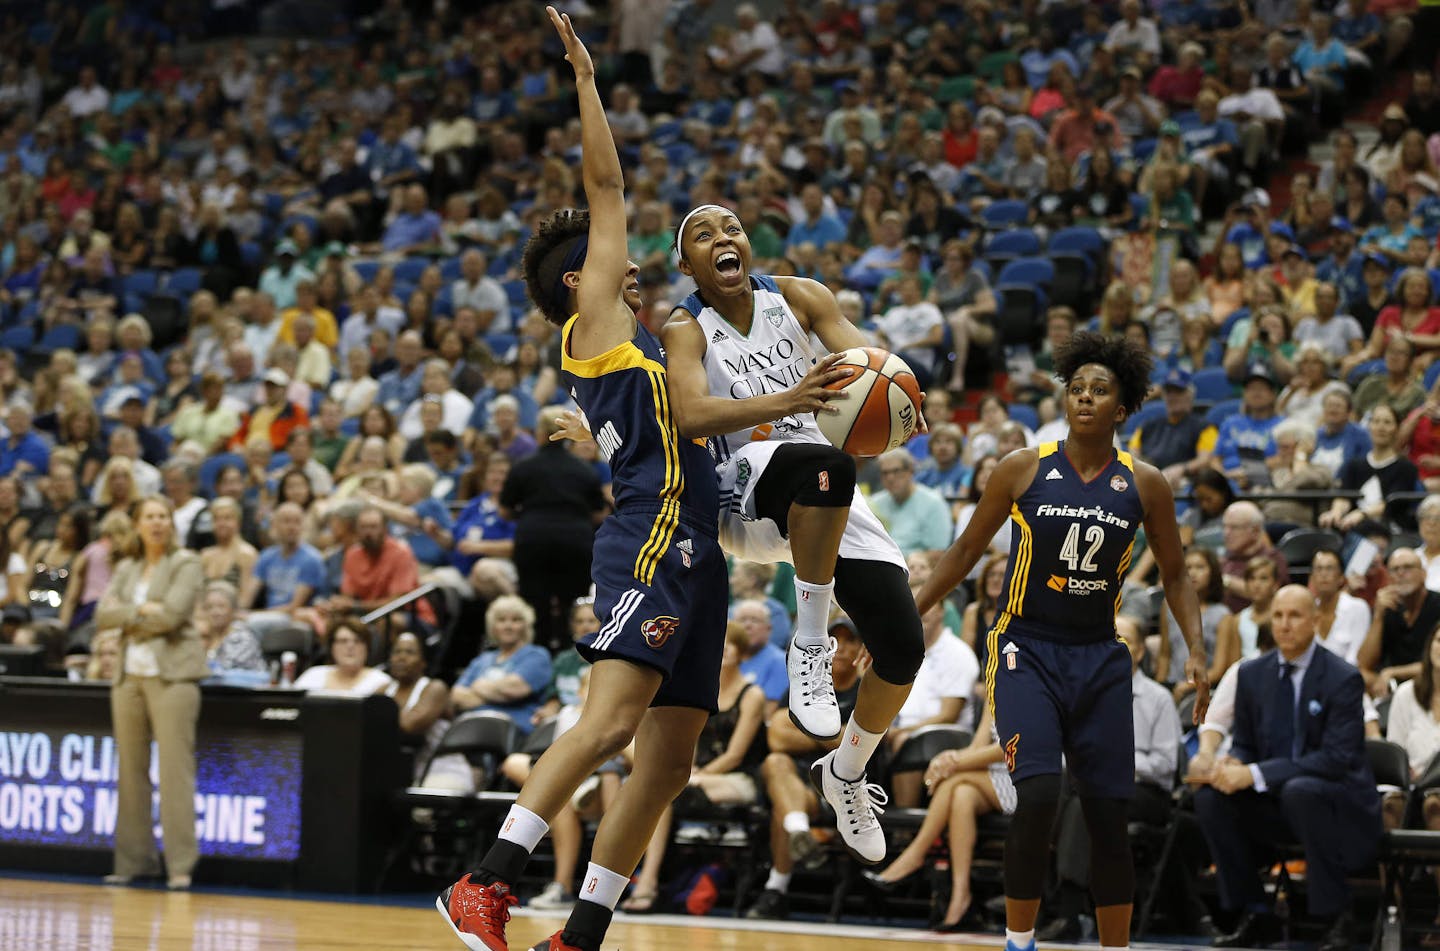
x: 680, y: 231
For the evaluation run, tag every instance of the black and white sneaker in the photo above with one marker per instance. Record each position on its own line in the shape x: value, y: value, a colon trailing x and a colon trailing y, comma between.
x: 857, y: 809
x: 813, y: 708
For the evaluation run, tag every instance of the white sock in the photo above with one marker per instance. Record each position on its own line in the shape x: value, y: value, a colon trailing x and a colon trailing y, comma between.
x: 812, y: 612
x: 524, y: 828
x: 778, y: 881
x: 856, y: 747
x: 1020, y: 939
x: 795, y: 822
x: 603, y: 886
x: 1108, y: 948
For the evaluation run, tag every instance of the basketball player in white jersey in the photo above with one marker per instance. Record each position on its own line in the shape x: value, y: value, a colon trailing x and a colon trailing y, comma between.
x: 734, y: 347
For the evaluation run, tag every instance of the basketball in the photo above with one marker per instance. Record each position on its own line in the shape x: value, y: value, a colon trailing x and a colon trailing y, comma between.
x: 883, y: 406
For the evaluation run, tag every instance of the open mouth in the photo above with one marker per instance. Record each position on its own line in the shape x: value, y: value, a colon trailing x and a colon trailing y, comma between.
x: 728, y: 264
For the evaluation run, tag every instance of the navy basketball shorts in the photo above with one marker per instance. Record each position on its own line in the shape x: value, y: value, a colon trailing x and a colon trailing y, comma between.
x: 1052, y: 698
x: 662, y: 596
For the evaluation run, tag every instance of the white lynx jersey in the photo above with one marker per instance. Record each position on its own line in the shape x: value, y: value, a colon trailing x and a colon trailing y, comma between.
x: 774, y: 356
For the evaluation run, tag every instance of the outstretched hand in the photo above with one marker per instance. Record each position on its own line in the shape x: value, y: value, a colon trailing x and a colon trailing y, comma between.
x: 811, y: 394
x: 575, y: 52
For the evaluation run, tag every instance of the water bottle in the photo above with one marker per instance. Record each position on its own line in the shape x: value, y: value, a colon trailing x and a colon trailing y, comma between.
x: 288, y: 660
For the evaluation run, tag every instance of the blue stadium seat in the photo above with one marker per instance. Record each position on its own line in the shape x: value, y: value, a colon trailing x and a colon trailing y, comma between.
x: 140, y: 282
x: 1139, y: 205
x: 1153, y: 409
x: 410, y: 269
x: 251, y: 253
x: 1025, y: 415
x: 1222, y: 411
x: 515, y: 293
x: 1005, y: 246
x: 1079, y: 238
x: 350, y: 426
x: 1142, y: 149
x: 19, y: 338
x: 450, y: 269
x: 500, y: 344
x: 1212, y: 385
x: 210, y: 470
x: 1236, y: 315
x: 365, y: 270
x: 60, y: 337
x: 1027, y: 271
x: 1007, y: 213
x: 1431, y: 375
x: 184, y: 282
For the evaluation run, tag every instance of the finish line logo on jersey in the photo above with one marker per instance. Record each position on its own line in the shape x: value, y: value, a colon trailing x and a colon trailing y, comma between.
x: 1075, y: 511
x: 1066, y: 585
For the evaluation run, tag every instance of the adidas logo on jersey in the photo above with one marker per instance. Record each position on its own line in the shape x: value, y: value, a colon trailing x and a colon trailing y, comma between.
x: 719, y: 336
x: 1053, y: 474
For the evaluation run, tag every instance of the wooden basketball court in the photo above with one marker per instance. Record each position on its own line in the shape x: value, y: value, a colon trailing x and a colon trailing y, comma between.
x: 47, y: 915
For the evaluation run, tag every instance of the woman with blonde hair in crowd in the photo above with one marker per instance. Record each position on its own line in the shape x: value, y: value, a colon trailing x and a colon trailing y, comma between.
x: 104, y: 657
x: 115, y: 490
x: 1117, y: 308
x: 151, y: 599
x: 1225, y: 289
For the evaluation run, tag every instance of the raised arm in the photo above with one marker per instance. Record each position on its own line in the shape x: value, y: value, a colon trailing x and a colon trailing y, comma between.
x: 1164, y: 538
x: 1007, y: 483
x: 607, y: 320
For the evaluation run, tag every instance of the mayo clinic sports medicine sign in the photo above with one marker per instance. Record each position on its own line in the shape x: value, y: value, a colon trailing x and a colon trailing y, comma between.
x: 58, y: 788
x: 291, y: 791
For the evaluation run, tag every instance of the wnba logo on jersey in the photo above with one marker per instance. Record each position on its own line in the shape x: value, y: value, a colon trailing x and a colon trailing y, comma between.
x: 657, y: 631
x: 1065, y: 585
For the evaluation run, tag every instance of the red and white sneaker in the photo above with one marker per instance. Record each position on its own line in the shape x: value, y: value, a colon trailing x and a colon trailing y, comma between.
x: 477, y: 913
x: 554, y: 943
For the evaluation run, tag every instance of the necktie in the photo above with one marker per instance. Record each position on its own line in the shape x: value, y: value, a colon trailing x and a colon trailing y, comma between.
x: 1285, y: 738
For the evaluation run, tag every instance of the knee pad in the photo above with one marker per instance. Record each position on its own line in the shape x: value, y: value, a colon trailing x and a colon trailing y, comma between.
x: 1112, y: 867
x: 1027, y: 845
x: 804, y: 474
x: 876, y: 595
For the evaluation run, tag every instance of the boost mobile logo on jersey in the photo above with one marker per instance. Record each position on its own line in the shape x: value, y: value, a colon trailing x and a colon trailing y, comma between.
x: 1066, y: 585
x: 657, y: 631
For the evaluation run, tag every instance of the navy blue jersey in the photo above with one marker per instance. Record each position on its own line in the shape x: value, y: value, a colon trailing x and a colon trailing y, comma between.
x: 621, y: 394
x: 1071, y: 545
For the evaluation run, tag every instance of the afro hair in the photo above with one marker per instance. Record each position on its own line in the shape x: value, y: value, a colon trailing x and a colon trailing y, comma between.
x: 544, y: 256
x: 1130, y: 363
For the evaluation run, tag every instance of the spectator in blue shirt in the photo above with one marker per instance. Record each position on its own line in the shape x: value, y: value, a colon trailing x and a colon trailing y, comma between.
x: 401, y: 386
x: 1321, y: 58
x: 764, y: 663
x: 415, y: 228
x: 504, y: 380
x: 1210, y: 142
x: 818, y: 227
x: 1245, y: 438
x: 482, y: 534
x: 1338, y: 440
x: 1362, y: 31
x: 1392, y: 239
x: 512, y: 676
x: 290, y: 571
x: 24, y: 452
x: 942, y: 469
x: 1344, y: 267
x: 1038, y: 61
x: 492, y: 101
x: 391, y: 162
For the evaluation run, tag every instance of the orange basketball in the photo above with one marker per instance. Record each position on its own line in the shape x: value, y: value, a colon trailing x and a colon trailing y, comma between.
x: 882, y: 409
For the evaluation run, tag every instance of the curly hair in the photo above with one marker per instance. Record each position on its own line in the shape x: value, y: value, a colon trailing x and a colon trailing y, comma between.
x: 1130, y: 363
x: 545, y: 255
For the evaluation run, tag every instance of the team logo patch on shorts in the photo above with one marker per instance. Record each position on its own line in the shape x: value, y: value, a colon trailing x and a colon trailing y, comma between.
x: 686, y: 547
x: 1010, y: 749
x: 657, y: 631
x: 1118, y: 483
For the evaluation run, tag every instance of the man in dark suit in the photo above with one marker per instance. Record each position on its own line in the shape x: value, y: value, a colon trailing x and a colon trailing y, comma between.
x: 1297, y: 769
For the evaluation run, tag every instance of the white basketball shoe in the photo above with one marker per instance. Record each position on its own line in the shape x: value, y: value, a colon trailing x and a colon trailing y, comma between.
x: 857, y: 809
x: 813, y: 707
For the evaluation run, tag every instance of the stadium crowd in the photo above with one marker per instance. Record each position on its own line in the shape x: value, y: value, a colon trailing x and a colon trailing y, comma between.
x: 277, y: 281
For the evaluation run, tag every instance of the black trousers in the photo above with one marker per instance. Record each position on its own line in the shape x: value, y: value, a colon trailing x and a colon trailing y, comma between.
x: 553, y: 573
x: 1242, y: 828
